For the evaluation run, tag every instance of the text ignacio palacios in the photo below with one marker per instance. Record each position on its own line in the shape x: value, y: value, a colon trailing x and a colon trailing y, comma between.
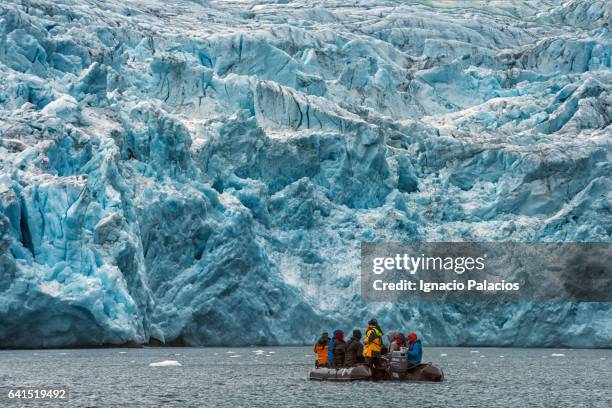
x: 422, y: 263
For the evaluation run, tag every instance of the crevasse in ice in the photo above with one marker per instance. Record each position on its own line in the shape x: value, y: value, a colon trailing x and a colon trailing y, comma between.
x: 203, y: 172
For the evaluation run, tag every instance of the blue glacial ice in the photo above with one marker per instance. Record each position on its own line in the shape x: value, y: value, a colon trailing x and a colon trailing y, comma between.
x: 203, y: 172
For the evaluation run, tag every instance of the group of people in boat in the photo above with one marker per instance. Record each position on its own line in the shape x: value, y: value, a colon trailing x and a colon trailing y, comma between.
x: 335, y: 352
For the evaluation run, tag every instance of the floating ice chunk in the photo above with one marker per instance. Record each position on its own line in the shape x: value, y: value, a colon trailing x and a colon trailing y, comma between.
x: 603, y: 358
x: 234, y: 355
x: 557, y: 355
x: 166, y: 363
x: 272, y: 352
x: 230, y: 352
x: 474, y: 351
x: 443, y: 355
x: 501, y: 356
x: 258, y: 351
x: 123, y: 352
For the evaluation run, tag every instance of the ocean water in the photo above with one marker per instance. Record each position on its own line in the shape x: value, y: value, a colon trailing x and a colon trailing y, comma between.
x: 278, y: 376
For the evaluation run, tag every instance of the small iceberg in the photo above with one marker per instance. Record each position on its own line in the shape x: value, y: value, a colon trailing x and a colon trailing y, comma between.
x: 258, y: 351
x: 557, y: 355
x: 501, y: 356
x: 234, y: 355
x: 166, y: 363
x: 443, y: 355
x: 271, y: 352
x: 123, y: 352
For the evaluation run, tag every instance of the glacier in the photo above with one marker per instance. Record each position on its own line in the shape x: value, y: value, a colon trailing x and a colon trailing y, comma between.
x: 203, y: 172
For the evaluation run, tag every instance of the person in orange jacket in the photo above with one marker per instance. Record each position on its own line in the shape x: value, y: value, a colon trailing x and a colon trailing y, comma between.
x: 373, y: 344
x: 320, y: 350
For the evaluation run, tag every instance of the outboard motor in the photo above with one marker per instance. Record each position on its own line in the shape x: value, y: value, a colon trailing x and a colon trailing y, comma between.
x: 398, y: 363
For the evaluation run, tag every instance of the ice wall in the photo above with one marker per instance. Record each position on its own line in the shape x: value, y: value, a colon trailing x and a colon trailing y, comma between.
x: 203, y: 173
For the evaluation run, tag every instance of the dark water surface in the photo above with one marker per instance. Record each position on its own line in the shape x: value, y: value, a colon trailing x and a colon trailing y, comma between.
x: 243, y: 377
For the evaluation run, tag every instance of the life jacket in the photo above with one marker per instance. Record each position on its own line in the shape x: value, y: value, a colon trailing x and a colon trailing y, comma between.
x: 373, y: 341
x: 321, y: 351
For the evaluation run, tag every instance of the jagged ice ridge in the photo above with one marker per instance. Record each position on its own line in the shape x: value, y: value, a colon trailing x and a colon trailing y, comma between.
x: 203, y: 172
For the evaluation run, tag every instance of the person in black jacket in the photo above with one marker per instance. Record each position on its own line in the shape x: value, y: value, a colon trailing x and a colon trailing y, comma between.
x: 338, y: 348
x: 354, y: 350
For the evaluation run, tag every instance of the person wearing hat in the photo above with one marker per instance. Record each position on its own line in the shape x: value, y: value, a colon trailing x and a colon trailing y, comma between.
x: 320, y: 350
x: 336, y: 349
x: 415, y: 349
x: 354, y: 350
x: 373, y: 344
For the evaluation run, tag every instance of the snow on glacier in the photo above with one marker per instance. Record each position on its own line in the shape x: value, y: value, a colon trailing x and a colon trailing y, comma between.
x: 203, y: 173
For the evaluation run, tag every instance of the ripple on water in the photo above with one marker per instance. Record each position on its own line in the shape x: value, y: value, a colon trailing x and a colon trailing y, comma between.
x: 206, y: 378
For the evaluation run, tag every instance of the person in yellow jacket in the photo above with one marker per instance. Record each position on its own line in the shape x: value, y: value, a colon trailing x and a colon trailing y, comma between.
x: 373, y: 344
